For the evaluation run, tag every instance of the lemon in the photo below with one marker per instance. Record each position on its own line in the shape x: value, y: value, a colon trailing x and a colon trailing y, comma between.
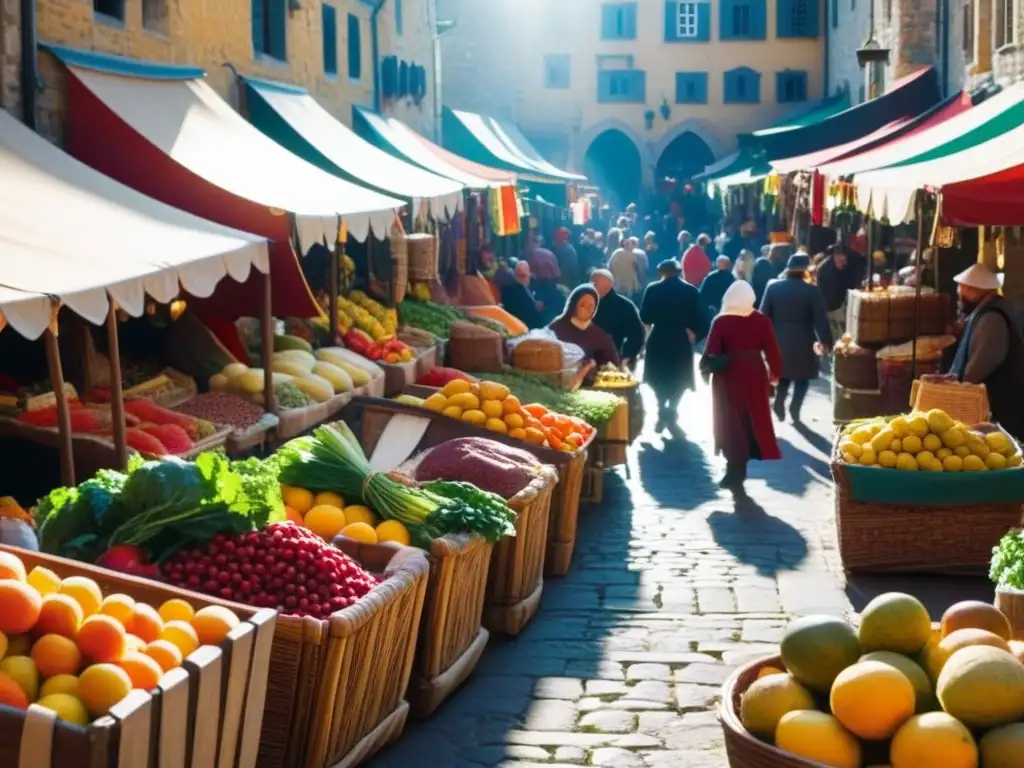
x: 496, y: 425
x: 974, y: 463
x: 953, y: 438
x: 912, y: 444
x: 1014, y: 460
x: 436, y: 402
x: 66, y: 707
x: 931, y: 465
x: 452, y: 411
x: 851, y: 448
x: 883, y: 440
x: 877, y: 426
x: 918, y: 425
x: 861, y: 435
x: 999, y: 443
x: 923, y: 457
x: 392, y: 530
x: 474, y: 416
x: 492, y: 408
x: 953, y: 463
x: 932, y: 443
x: 360, y: 532
x: 847, y: 458
x: 995, y: 461
x: 59, y: 684
x: 455, y: 387
x: 897, y: 446
x: 329, y: 498
x: 938, y: 420
x: 887, y: 459
x: 357, y: 513
x: 906, y: 463
x: 24, y: 672
x: 978, y: 446
x: 298, y: 499
x: 962, y: 451
x: 900, y: 427
x: 942, y: 453
x: 325, y: 521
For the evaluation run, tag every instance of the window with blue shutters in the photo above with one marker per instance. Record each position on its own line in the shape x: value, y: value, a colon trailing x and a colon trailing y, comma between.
x: 329, y: 22
x: 268, y: 28
x: 618, y: 21
x: 355, y: 48
x: 833, y: 11
x: 688, y: 22
x: 691, y: 87
x: 790, y: 86
x: 621, y: 86
x: 742, y: 86
x: 557, y: 70
x: 742, y: 20
x: 797, y: 18
x: 399, y: 21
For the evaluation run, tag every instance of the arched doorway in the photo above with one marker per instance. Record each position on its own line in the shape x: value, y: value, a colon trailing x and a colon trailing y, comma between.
x: 685, y: 156
x: 612, y: 162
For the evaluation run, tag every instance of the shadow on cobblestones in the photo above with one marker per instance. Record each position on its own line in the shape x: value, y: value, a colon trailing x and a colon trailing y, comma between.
x: 748, y: 522
x: 676, y: 475
x: 802, y: 469
x: 936, y: 592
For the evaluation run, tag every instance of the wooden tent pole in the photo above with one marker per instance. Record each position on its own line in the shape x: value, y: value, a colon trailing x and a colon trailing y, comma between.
x: 267, y: 333
x: 116, y: 390
x: 66, y: 447
x: 334, y: 261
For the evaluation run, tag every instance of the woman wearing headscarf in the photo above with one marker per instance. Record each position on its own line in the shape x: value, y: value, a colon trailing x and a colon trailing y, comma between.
x: 576, y: 326
x: 673, y: 309
x: 568, y: 259
x: 743, y: 269
x: 739, y: 344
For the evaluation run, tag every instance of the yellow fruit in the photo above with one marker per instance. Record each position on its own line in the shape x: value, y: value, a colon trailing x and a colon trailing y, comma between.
x: 492, y: 408
x: 995, y: 461
x: 932, y: 443
x: 475, y: 417
x: 1003, y: 747
x: 887, y: 459
x: 973, y: 463
x: 455, y: 387
x: 847, y: 458
x: 56, y: 655
x: 357, y: 513
x: 513, y: 421
x: 867, y: 456
x: 490, y: 390
x: 978, y: 446
x: 45, y: 581
x: 924, y: 697
x: 436, y: 402
x: 861, y: 435
x: 176, y: 609
x: 938, y: 420
x: 929, y: 464
x: 496, y: 425
x: 298, y: 499
x: 953, y: 438
x: 213, y: 623
x: 59, y: 684
x: 392, y: 530
x: 66, y: 707
x: 84, y: 591
x: 923, y: 457
x: 817, y: 736
x: 998, y: 442
x: 897, y: 446
x: 164, y: 653
x: 957, y: 640
x: 120, y: 607
x: 934, y: 740
x: 815, y: 649
x: 101, y: 686
x: 12, y: 694
x: 906, y: 463
x: 467, y: 401
x: 452, y: 411
x: 24, y: 672
x: 101, y: 638
x: 511, y: 404
x: 768, y: 699
x: 953, y: 463
x: 982, y: 687
x: 517, y: 433
x: 912, y: 444
x: 181, y: 635
x: 877, y: 426
x: 918, y: 425
x: 883, y: 439
x: 144, y: 671
x: 894, y: 621
x: 325, y: 521
x: 360, y: 532
x: 872, y: 699
x: 146, y: 623
x: 942, y: 453
x: 900, y: 427
x: 11, y: 567
x: 975, y: 614
x: 962, y: 451
x: 329, y: 498
x: 3, y: 645
x: 1014, y: 460
x: 850, y: 447
x: 766, y: 671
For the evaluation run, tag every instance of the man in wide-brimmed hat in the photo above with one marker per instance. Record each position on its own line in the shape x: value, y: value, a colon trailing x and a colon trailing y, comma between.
x: 991, y: 350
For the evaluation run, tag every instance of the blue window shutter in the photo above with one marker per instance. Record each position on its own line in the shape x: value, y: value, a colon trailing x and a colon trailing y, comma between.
x: 671, y: 20
x: 329, y: 22
x: 638, y: 86
x: 758, y: 19
x: 834, y: 13
x: 278, y: 21
x: 259, y: 43
x: 725, y: 30
x: 629, y: 23
x: 355, y: 48
x: 609, y: 22
x: 403, y: 79
x: 389, y: 77
x: 399, y: 21
x: 703, y: 22
x: 784, y: 18
x: 812, y: 23
x: 691, y: 88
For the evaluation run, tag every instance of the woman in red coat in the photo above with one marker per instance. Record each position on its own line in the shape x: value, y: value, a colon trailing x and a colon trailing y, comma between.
x: 739, y: 344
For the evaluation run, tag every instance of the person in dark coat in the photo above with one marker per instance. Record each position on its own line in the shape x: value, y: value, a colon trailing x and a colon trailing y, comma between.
x: 716, y: 284
x: 797, y: 310
x: 834, y: 280
x: 769, y: 267
x: 568, y: 259
x: 672, y: 307
x: 618, y: 316
x: 576, y: 326
x: 740, y: 389
x: 518, y: 299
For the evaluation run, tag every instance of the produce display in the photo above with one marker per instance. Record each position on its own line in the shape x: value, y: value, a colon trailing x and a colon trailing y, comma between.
x: 331, y: 459
x: 438, y: 377
x: 930, y: 441
x: 894, y: 690
x: 71, y: 649
x: 386, y: 349
x: 491, y: 405
x: 369, y: 315
x: 611, y: 377
x: 326, y: 514
x: 487, y: 464
x: 223, y: 408
x: 595, y: 408
x: 283, y: 566
x: 430, y: 316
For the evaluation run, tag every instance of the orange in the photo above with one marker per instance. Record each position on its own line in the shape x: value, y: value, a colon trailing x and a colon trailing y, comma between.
x: 360, y: 532
x: 45, y: 581
x: 120, y: 607
x: 66, y: 707
x: 325, y: 521
x: 144, y: 672
x: 11, y: 694
x: 59, y: 615
x: 164, y: 653
x: 146, y: 623
x: 298, y: 499
x: 59, y: 684
x: 19, y: 606
x: 176, y: 609
x: 181, y: 635
x: 101, y: 638
x: 11, y: 567
x: 85, y: 591
x: 511, y: 404
x: 133, y: 643
x: 56, y: 655
x: 101, y: 686
x: 292, y: 515
x: 213, y: 623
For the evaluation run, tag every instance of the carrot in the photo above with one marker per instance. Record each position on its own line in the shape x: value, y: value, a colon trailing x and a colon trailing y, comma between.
x: 547, y: 420
x: 554, y: 441
x: 556, y: 432
x: 535, y: 409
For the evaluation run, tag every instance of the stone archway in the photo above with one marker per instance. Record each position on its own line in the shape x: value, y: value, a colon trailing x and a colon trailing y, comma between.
x: 613, y: 162
x: 703, y: 130
x: 683, y: 157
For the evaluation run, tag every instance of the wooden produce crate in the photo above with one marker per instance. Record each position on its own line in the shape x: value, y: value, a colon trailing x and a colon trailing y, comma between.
x: 852, y: 404
x: 205, y: 714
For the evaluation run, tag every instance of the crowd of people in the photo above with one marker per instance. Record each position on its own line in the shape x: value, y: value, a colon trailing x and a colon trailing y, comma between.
x: 758, y: 316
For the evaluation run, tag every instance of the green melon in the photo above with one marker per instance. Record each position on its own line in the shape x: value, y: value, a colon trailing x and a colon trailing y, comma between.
x: 982, y: 687
x: 895, y: 622
x: 815, y: 649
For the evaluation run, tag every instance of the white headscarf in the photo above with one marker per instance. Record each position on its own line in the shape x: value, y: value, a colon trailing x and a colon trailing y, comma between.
x: 738, y: 299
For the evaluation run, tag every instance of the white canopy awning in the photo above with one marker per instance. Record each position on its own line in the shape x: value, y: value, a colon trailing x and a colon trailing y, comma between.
x: 72, y: 234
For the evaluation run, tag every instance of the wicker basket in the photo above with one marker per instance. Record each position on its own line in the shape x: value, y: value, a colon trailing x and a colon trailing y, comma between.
x: 295, y: 421
x: 516, y: 579
x: 421, y: 249
x: 967, y: 403
x: 539, y: 356
x: 874, y: 318
x: 206, y: 713
x: 337, y: 687
x: 473, y: 348
x: 855, y: 369
x: 1011, y: 603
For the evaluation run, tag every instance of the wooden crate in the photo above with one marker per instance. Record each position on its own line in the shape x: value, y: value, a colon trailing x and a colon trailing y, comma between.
x: 206, y: 714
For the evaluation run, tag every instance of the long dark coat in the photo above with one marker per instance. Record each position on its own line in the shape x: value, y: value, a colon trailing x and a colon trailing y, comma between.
x: 739, y: 394
x: 797, y: 310
x: 671, y: 306
x: 619, y: 317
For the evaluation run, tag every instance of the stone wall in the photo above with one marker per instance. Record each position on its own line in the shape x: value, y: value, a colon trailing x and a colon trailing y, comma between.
x: 10, y: 55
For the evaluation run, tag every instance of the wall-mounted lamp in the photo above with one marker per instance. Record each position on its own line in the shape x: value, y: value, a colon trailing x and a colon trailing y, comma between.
x: 649, y: 119
x: 666, y: 110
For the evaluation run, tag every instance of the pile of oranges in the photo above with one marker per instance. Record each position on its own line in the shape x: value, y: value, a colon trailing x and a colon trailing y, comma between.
x: 66, y: 647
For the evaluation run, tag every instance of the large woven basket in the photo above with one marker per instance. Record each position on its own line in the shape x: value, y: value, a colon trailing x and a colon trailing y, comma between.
x: 539, y: 356
x: 421, y: 249
x: 964, y: 402
x: 565, y: 512
x: 516, y: 578
x: 472, y: 348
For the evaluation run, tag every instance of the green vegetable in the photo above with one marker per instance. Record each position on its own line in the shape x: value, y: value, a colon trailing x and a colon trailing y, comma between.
x: 429, y: 316
x: 595, y: 408
x: 331, y: 459
x: 491, y: 325
x: 1007, y: 568
x: 290, y: 396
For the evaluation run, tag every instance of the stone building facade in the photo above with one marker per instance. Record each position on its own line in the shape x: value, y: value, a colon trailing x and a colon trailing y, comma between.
x: 325, y: 47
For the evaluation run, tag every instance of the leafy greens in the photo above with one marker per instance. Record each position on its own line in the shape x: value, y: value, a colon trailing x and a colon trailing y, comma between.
x: 1007, y: 567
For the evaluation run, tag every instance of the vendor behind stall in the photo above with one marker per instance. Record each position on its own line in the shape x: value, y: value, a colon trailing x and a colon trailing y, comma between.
x: 518, y: 299
x: 619, y: 317
x: 991, y: 351
x: 576, y: 326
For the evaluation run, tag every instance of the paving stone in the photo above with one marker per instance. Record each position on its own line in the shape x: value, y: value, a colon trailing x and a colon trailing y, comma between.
x: 651, y: 690
x: 615, y: 757
x: 558, y: 688
x: 570, y: 755
x: 708, y: 674
x: 608, y: 721
x: 692, y: 696
x: 559, y: 739
x: 605, y: 688
x: 648, y: 672
x: 603, y: 669
x: 715, y: 600
x: 550, y: 713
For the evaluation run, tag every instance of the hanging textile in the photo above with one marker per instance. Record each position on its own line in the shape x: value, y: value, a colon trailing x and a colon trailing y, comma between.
x: 818, y: 195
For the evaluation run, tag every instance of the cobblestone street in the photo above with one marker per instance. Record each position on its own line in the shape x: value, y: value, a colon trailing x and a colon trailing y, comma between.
x: 673, y: 584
